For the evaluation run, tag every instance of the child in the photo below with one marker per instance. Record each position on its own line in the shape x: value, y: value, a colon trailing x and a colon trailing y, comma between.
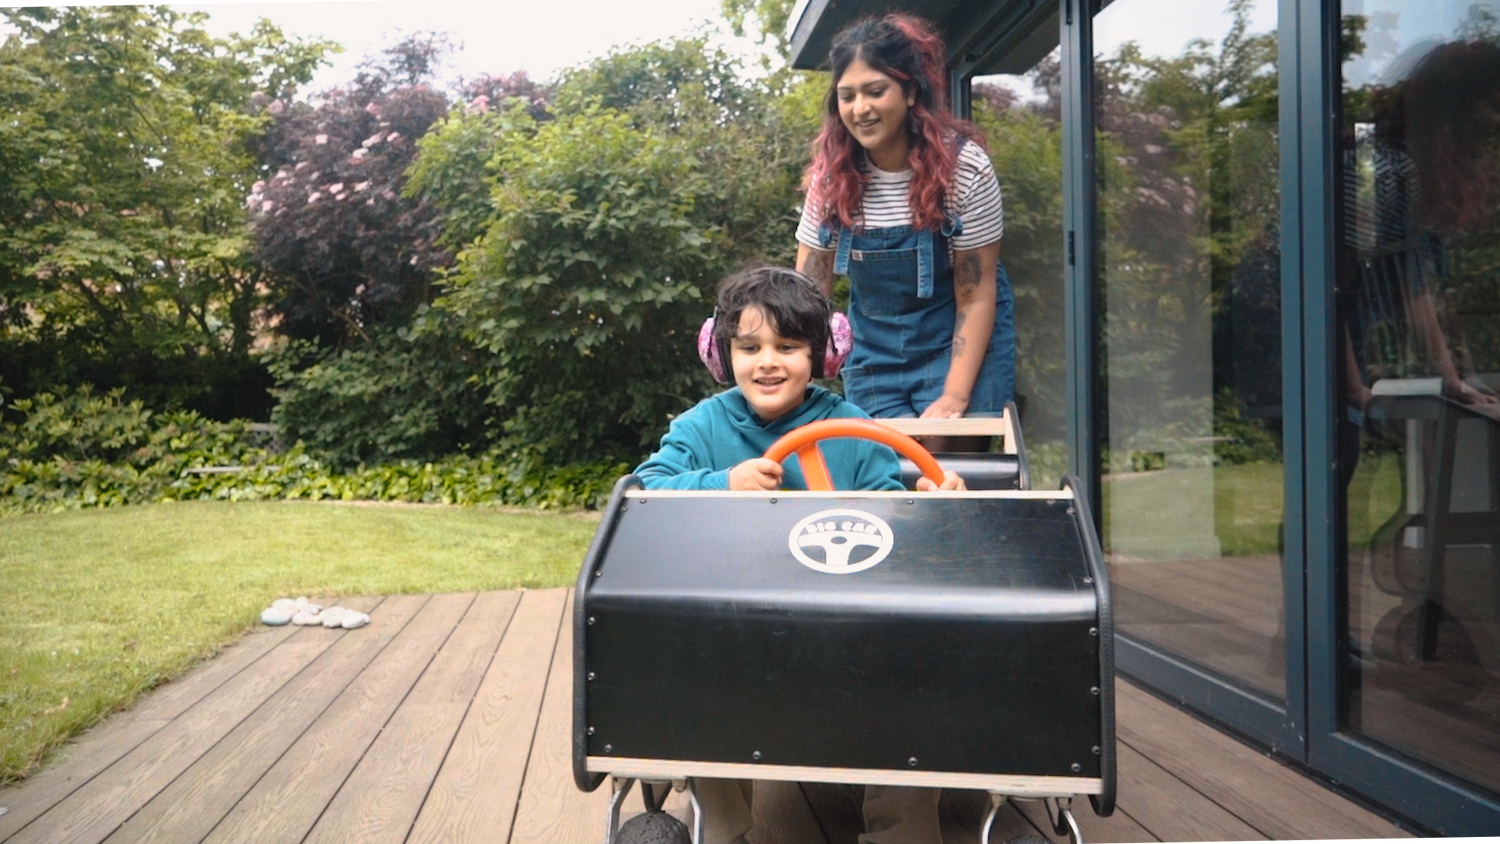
x: 775, y: 328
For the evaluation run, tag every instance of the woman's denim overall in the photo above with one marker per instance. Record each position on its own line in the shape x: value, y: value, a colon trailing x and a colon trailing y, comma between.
x: 902, y: 309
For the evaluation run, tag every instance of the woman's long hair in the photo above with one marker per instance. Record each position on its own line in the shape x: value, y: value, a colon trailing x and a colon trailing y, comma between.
x: 1451, y: 135
x: 908, y: 50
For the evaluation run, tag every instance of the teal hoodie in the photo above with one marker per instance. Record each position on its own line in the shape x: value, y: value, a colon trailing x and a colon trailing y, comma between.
x: 721, y: 432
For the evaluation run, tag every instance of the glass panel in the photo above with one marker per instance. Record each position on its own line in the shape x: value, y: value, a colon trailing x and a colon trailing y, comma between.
x: 1189, y: 296
x: 1021, y: 118
x: 1418, y: 301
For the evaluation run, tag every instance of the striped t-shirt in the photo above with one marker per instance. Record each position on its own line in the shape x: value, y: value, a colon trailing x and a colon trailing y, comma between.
x: 976, y: 201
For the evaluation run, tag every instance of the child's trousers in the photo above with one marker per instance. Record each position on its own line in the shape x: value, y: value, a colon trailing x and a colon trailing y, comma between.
x: 892, y: 815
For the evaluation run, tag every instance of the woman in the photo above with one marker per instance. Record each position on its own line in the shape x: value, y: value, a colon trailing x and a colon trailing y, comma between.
x: 901, y: 198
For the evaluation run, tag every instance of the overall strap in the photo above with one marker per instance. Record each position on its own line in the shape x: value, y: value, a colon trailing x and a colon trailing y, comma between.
x: 841, y: 258
x: 925, y: 268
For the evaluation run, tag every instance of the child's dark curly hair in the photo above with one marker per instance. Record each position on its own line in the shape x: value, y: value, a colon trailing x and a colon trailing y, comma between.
x: 792, y: 301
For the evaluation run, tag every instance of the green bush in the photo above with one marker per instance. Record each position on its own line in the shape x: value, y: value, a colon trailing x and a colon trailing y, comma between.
x: 397, y: 397
x: 82, y: 450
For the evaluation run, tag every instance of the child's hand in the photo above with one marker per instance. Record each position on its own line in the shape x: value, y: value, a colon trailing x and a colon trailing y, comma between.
x: 951, y: 482
x: 755, y: 474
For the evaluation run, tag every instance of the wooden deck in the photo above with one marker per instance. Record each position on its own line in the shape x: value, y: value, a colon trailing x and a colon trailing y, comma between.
x: 449, y: 719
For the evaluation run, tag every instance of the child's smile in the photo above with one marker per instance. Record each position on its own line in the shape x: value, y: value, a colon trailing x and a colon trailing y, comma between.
x: 772, y: 371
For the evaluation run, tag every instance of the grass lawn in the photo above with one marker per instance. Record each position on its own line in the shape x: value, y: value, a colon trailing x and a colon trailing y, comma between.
x: 98, y: 606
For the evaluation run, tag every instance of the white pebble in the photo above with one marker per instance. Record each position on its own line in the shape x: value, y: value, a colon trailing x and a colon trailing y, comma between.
x: 274, y: 617
x: 333, y: 612
x: 304, y: 618
x: 353, y: 620
x: 286, y: 605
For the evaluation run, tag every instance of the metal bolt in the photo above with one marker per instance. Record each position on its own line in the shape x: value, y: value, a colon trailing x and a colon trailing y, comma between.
x: 1070, y: 511
x: 591, y: 676
x: 1096, y: 750
x: 591, y: 730
x: 643, y: 501
x: 1094, y: 690
x: 598, y: 572
x: 1051, y: 501
x: 755, y: 756
x: 609, y: 748
x: 1093, y: 631
x: 591, y: 621
x: 1076, y: 767
x: 910, y: 501
x: 912, y: 762
x: 773, y: 501
x: 1088, y: 580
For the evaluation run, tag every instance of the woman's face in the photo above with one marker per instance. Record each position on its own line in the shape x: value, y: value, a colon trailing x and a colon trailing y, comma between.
x: 873, y: 109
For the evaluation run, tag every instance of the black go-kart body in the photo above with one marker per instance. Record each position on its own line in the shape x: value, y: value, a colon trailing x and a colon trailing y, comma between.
x: 947, y: 639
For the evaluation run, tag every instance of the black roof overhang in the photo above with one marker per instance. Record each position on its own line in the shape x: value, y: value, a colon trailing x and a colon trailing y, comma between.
x: 983, y: 36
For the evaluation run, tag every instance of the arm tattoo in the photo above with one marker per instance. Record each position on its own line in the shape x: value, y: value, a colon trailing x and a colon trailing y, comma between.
x: 958, y: 340
x: 819, y: 268
x: 966, y: 274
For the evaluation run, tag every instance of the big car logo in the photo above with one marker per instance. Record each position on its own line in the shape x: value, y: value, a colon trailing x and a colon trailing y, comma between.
x: 841, y: 541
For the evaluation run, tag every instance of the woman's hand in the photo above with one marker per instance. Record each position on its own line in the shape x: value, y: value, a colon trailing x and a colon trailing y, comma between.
x: 755, y: 475
x: 951, y: 483
x: 946, y: 407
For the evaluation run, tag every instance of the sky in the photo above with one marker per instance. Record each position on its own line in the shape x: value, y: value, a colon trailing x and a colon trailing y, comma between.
x: 496, y: 36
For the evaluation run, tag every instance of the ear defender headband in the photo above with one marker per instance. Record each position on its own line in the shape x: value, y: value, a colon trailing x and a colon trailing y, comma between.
x: 715, y: 353
x: 826, y: 361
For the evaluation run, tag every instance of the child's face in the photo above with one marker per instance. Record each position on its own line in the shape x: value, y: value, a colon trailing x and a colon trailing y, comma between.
x: 771, y: 370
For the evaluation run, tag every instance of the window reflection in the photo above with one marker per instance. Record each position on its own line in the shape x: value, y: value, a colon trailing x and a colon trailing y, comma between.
x: 1418, y: 301
x: 1021, y: 117
x: 1190, y: 337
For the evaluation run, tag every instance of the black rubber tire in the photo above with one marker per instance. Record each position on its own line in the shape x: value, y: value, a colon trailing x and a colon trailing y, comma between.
x: 654, y: 828
x: 1028, y: 839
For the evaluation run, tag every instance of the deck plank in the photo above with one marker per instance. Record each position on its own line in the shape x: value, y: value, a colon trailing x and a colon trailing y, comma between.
x: 96, y: 809
x: 289, y: 799
x: 476, y: 791
x: 175, y: 698
x: 82, y: 759
x: 1171, y: 810
x: 189, y: 808
x: 552, y: 809
x: 460, y: 728
x: 1280, y: 802
x: 381, y: 798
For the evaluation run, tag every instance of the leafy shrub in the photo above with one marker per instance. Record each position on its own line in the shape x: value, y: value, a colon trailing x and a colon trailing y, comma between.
x: 82, y: 450
x: 397, y: 397
x: 592, y: 263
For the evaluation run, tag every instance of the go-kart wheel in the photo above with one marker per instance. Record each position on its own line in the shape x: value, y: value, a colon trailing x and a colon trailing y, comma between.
x: 1028, y: 839
x: 804, y: 443
x: 653, y: 828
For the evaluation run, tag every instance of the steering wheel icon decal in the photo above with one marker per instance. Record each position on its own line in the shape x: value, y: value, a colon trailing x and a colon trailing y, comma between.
x: 838, y: 536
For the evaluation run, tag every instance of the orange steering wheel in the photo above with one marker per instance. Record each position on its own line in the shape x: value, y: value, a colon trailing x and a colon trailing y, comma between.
x: 804, y: 443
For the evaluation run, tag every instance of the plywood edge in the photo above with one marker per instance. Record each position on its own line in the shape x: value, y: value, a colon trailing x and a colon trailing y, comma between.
x: 1010, y: 784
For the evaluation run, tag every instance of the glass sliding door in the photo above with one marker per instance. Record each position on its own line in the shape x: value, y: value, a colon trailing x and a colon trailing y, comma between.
x: 1020, y: 115
x: 1418, y: 357
x: 1188, y: 336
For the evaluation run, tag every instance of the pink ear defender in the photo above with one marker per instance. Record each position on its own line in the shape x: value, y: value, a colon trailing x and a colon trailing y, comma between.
x: 840, y: 342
